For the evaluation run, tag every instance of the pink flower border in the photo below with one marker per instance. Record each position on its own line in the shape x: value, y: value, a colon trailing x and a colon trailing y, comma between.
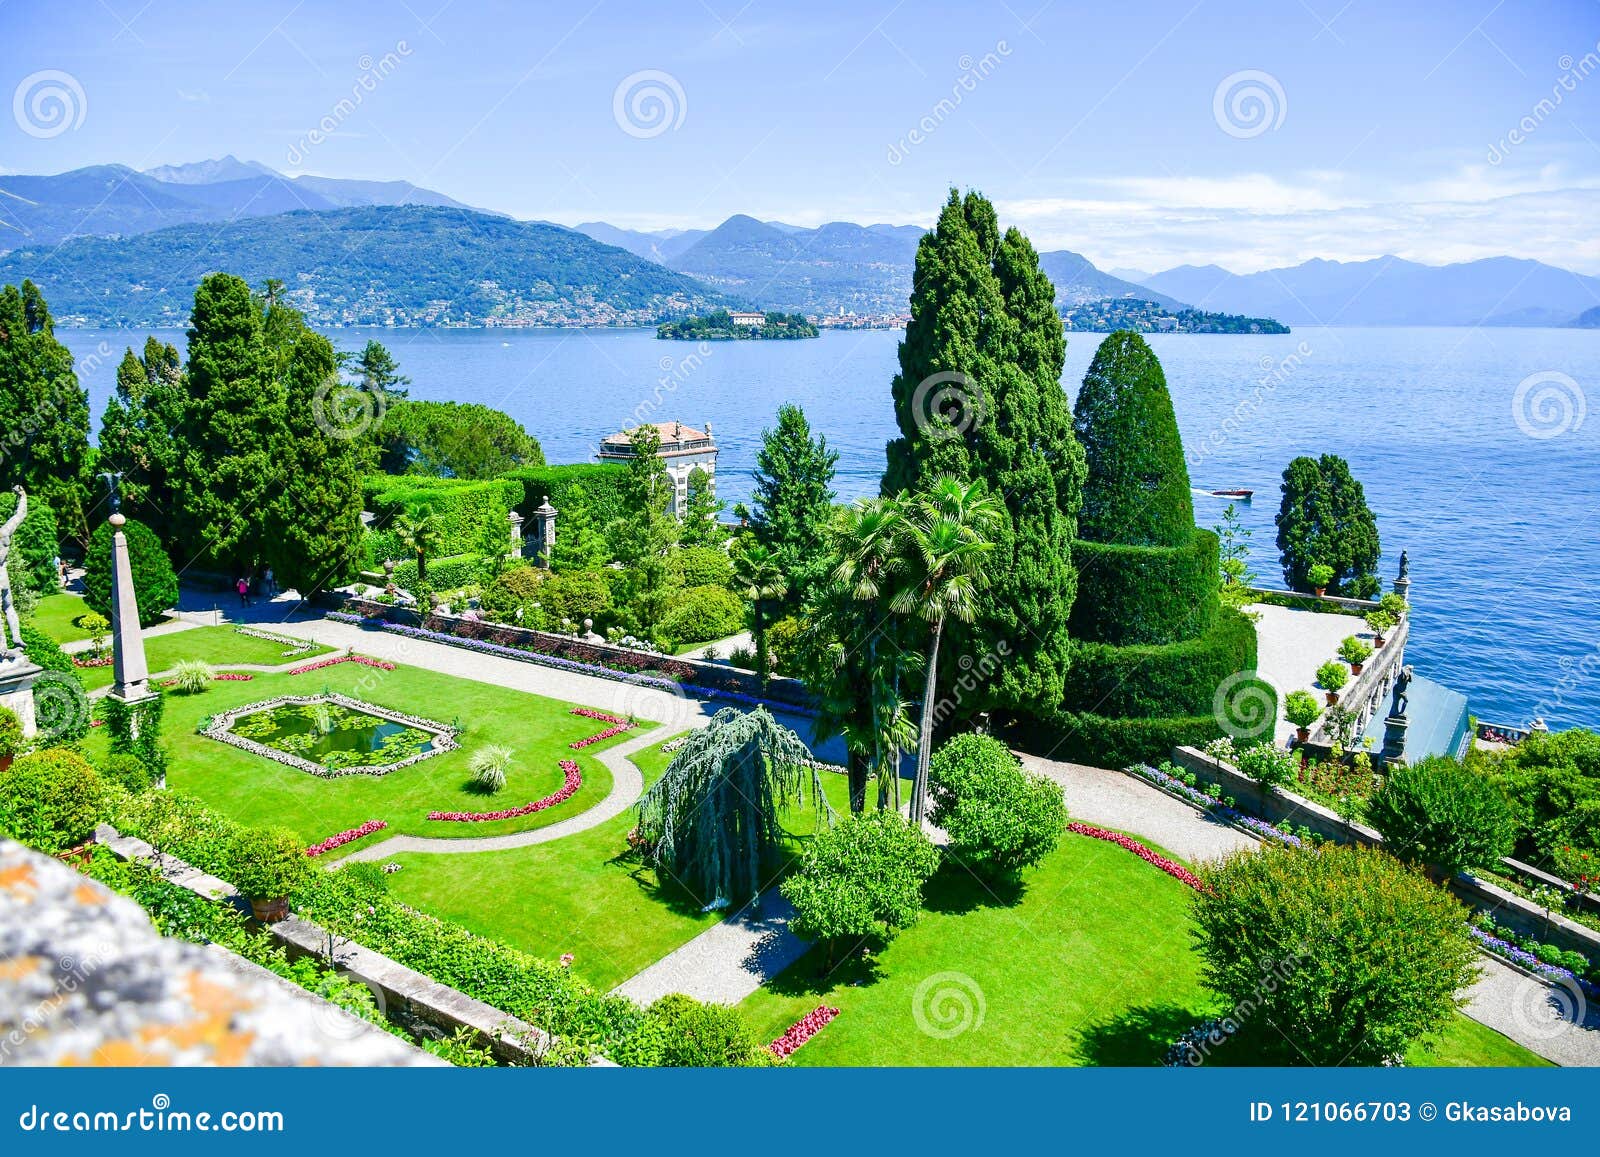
x: 1176, y: 870
x: 573, y: 781
x: 321, y: 663
x: 602, y: 716
x: 346, y: 837
x: 802, y: 1030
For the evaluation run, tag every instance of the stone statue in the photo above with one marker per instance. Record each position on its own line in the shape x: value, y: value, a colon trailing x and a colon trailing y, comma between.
x: 1402, y: 697
x: 1405, y: 567
x: 10, y: 627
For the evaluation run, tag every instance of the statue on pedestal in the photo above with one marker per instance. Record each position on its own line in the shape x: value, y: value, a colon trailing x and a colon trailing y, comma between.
x: 10, y: 627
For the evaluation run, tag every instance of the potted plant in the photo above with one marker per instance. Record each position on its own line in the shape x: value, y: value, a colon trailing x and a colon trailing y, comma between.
x: 1333, y: 675
x: 1355, y: 651
x: 1378, y: 622
x: 12, y: 740
x: 1319, y: 576
x: 1302, y: 709
x: 268, y: 864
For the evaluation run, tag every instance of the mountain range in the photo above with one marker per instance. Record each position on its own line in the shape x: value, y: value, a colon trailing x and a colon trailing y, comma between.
x: 119, y: 230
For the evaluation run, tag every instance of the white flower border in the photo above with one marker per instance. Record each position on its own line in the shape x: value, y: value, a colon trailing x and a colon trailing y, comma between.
x: 220, y: 728
x: 297, y: 647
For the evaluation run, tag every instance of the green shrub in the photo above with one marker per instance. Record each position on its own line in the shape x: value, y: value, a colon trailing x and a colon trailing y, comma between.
x: 861, y: 878
x: 1154, y: 681
x: 470, y: 516
x: 513, y: 590
x: 700, y: 566
x: 11, y: 737
x: 1355, y: 650
x: 155, y: 585
x: 192, y: 676
x: 1364, y: 954
x: 701, y: 614
x: 268, y: 863
x: 576, y: 595
x: 51, y: 800
x: 1000, y: 817
x: 35, y: 543
x: 128, y: 771
x: 596, y: 486
x: 488, y: 767
x: 1439, y: 813
x: 1145, y: 594
x: 1319, y: 575
x: 1266, y: 763
x: 1302, y: 709
x: 699, y: 1036
x: 444, y: 574
x: 1110, y: 741
x: 1380, y: 622
x: 783, y: 644
x: 1333, y: 675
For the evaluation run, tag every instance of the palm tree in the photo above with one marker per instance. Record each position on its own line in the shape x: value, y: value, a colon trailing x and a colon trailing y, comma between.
x: 421, y: 536
x: 947, y: 531
x: 760, y: 580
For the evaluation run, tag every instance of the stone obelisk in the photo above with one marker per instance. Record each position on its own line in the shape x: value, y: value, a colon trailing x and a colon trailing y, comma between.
x: 130, y: 672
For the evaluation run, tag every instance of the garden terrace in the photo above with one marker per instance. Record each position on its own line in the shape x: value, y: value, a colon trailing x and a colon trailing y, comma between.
x: 251, y: 789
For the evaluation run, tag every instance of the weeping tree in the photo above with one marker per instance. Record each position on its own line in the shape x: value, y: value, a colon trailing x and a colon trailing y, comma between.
x: 713, y: 815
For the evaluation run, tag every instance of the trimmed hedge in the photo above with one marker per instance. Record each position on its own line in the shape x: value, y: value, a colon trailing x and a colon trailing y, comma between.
x: 470, y: 514
x: 1145, y: 594
x: 444, y: 574
x: 1155, y: 681
x: 1083, y: 737
x: 601, y: 483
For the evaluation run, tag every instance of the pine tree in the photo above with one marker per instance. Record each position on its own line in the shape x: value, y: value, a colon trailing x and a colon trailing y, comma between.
x: 979, y: 396
x: 1324, y: 518
x: 44, y: 442
x: 379, y: 372
x: 137, y: 433
x: 794, y: 502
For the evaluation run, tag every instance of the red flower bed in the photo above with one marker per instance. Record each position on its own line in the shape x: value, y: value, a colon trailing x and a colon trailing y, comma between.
x: 232, y: 677
x: 802, y: 1030
x: 574, y: 780
x: 101, y: 661
x: 591, y: 713
x: 1175, y: 870
x: 580, y: 744
x: 346, y: 837
x: 337, y: 659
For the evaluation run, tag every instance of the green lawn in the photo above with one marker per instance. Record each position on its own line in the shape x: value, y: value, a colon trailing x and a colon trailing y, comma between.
x: 54, y: 615
x: 578, y: 895
x: 1091, y: 965
x: 219, y: 646
x: 256, y: 790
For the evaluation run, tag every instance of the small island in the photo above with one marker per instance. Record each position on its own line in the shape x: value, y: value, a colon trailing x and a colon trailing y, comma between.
x: 737, y: 325
x: 1114, y: 313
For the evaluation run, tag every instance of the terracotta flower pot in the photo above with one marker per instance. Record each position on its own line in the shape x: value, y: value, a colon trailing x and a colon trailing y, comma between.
x: 1333, y: 698
x: 1355, y: 668
x: 1377, y: 642
x: 1320, y: 591
x: 1303, y: 734
x: 5, y: 761
x: 270, y: 911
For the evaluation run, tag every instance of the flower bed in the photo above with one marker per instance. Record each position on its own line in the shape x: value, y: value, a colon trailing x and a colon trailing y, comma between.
x: 1527, y: 960
x: 294, y: 646
x: 573, y: 781
x: 603, y: 717
x: 219, y: 677
x: 307, y: 668
x: 346, y: 837
x: 1233, y: 816
x: 97, y: 661
x: 802, y: 1030
x: 1171, y: 867
x: 588, y: 741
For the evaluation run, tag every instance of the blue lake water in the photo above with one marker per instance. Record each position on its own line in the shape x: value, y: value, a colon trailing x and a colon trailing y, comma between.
x: 1499, y: 515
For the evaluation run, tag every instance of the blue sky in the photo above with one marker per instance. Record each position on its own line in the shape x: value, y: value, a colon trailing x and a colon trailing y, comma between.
x: 1106, y: 128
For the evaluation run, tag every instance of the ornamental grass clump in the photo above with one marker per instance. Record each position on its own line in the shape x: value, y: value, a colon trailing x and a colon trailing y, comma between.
x: 488, y: 766
x: 192, y: 676
x: 1340, y: 956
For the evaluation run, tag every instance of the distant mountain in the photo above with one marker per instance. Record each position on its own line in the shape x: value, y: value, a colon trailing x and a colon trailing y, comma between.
x: 1078, y: 281
x: 373, y: 265
x: 114, y: 200
x: 657, y: 246
x: 1391, y: 291
x: 1137, y: 276
x: 1588, y: 319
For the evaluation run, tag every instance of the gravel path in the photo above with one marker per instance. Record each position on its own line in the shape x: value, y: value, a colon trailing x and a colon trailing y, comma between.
x: 726, y: 962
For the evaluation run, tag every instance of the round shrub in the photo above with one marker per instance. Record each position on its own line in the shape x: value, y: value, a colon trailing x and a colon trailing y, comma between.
x: 700, y: 566
x: 1355, y: 649
x: 784, y: 645
x: 576, y: 595
x: 1145, y: 594
x: 1440, y: 813
x: 128, y: 771
x: 1266, y: 763
x: 511, y: 591
x: 268, y: 863
x: 1364, y: 954
x: 11, y: 738
x: 51, y: 800
x: 155, y: 585
x: 1000, y: 817
x: 1301, y: 709
x: 702, y: 1036
x: 1333, y: 675
x: 701, y: 614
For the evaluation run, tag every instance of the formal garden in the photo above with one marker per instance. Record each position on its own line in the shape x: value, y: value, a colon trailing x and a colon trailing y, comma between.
x: 446, y: 680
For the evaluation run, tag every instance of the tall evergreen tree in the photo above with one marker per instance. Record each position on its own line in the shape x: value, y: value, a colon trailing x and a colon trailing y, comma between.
x: 226, y: 472
x: 643, y: 536
x: 44, y: 442
x: 979, y: 396
x: 701, y: 507
x: 794, y: 502
x: 378, y: 372
x: 137, y: 433
x: 1324, y: 518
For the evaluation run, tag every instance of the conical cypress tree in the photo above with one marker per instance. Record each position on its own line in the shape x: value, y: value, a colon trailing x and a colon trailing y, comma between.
x: 979, y: 396
x: 1137, y: 489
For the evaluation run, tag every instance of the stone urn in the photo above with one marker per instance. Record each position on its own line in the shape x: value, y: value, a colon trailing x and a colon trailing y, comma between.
x: 270, y: 911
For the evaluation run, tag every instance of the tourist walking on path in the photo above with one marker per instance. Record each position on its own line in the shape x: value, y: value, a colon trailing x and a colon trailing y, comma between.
x: 243, y: 587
